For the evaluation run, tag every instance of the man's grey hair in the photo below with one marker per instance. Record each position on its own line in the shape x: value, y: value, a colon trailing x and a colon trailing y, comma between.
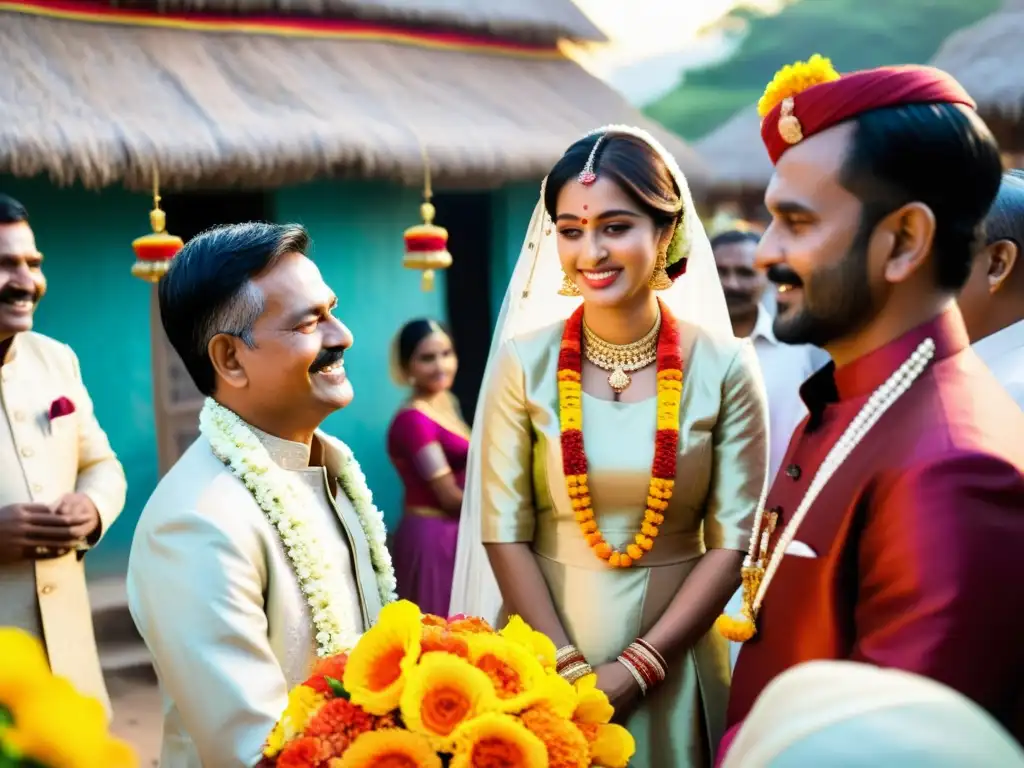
x: 209, y: 289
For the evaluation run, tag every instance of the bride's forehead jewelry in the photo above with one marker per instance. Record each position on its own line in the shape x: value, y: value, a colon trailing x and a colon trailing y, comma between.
x: 587, y: 175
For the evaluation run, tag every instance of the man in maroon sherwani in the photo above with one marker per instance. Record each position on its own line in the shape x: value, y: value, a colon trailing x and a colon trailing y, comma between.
x: 911, y: 556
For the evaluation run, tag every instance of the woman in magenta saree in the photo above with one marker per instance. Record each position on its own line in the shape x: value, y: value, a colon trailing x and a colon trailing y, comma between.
x: 428, y: 442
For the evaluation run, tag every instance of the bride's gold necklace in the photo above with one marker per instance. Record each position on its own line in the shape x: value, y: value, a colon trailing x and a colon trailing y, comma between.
x: 621, y: 359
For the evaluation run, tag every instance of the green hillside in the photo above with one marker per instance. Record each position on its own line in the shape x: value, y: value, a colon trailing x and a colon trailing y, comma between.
x: 855, y: 34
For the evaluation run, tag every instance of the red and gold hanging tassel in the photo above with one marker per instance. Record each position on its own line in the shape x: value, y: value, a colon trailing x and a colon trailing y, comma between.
x: 426, y: 244
x: 153, y: 252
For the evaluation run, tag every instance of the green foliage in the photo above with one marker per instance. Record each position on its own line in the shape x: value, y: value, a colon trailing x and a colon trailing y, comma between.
x: 855, y: 34
x: 336, y: 687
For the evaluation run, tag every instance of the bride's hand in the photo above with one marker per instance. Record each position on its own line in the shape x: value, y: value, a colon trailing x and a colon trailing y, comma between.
x: 620, y: 687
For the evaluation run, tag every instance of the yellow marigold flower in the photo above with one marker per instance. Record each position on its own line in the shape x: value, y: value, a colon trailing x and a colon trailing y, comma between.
x: 382, y: 659
x: 737, y: 629
x: 443, y: 692
x: 390, y: 747
x: 514, y: 671
x: 518, y: 631
x: 592, y: 705
x: 303, y: 703
x: 24, y: 665
x: 493, y: 740
x: 559, y: 695
x: 612, y: 746
x: 796, y: 78
x: 55, y: 725
x: 567, y: 747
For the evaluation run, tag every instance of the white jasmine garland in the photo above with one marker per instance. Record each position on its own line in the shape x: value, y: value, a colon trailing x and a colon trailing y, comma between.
x: 280, y: 498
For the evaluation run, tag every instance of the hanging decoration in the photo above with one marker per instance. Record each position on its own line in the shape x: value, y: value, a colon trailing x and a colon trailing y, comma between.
x: 153, y: 252
x: 426, y: 244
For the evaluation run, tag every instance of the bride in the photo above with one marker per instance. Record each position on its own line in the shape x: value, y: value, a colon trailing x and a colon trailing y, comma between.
x: 620, y: 446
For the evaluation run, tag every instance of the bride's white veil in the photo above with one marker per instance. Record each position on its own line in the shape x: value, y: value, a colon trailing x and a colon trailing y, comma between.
x: 531, y: 302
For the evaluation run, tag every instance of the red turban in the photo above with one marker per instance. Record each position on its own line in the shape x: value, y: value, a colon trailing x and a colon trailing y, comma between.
x: 803, y: 113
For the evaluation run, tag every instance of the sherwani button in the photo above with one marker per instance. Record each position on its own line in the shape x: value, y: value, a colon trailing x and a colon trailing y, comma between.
x: 47, y: 589
x: 793, y: 471
x: 27, y: 451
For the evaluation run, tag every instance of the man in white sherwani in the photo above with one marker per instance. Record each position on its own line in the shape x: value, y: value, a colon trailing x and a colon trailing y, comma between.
x: 261, y: 548
x: 61, y: 486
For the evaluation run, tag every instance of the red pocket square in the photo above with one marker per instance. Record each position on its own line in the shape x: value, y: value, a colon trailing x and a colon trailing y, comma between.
x: 62, y: 406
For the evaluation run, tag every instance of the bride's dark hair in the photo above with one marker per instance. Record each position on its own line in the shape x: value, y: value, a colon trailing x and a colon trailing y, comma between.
x: 632, y: 163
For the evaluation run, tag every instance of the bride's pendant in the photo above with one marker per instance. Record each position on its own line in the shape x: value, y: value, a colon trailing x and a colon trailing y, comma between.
x: 618, y: 380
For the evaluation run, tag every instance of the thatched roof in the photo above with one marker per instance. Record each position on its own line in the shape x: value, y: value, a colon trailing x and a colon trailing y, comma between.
x: 988, y: 59
x: 103, y: 104
x: 532, y: 19
x: 734, y: 153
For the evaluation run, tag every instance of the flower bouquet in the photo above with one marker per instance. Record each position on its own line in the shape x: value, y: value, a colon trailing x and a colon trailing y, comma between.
x: 425, y: 692
x: 44, y: 721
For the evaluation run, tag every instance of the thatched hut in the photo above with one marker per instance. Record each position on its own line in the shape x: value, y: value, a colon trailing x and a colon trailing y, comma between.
x: 739, y: 165
x: 988, y: 58
x: 309, y: 110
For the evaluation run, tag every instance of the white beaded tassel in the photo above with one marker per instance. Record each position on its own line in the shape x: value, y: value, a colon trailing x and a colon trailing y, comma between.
x: 880, y: 401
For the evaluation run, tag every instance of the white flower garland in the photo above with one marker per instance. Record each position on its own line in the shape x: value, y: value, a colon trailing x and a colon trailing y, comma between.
x: 235, y: 444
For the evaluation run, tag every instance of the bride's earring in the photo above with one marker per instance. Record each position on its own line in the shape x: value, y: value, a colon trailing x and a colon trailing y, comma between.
x: 660, y: 280
x: 569, y: 288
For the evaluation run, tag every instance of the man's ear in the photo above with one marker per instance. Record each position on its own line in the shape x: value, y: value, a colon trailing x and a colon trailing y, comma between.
x: 1002, y: 259
x: 223, y: 351
x: 911, y: 232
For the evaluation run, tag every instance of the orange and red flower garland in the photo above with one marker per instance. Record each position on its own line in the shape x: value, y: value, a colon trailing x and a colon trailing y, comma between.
x: 666, y: 445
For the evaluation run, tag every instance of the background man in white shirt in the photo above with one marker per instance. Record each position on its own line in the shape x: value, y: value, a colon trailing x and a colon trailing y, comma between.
x: 992, y: 302
x: 785, y: 367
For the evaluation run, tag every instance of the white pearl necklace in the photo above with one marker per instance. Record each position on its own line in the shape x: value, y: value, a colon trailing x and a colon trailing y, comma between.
x: 880, y: 401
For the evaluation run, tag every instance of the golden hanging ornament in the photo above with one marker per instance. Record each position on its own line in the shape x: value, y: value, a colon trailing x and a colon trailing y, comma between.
x: 426, y: 244
x: 153, y: 252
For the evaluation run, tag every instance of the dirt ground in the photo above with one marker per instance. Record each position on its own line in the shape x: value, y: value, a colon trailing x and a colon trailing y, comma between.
x: 137, y: 716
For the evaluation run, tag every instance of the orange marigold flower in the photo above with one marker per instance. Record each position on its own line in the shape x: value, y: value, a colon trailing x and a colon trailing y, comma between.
x: 470, y: 625
x: 437, y: 639
x: 567, y: 746
x: 390, y: 749
x: 432, y: 620
x: 305, y: 752
x: 338, y: 723
x: 333, y: 667
x: 497, y: 741
x: 514, y: 671
x: 443, y: 692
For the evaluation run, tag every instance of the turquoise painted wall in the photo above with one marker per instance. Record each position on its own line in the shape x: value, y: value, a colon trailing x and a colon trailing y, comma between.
x: 357, y: 236
x: 511, y: 210
x: 95, y: 305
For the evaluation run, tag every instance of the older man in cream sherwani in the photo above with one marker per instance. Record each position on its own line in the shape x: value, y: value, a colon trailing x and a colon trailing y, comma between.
x: 61, y: 486
x: 217, y: 597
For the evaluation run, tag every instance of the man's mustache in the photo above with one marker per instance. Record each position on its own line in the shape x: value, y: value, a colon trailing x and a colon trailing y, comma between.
x: 736, y: 296
x: 782, y: 275
x: 11, y: 293
x: 327, y: 358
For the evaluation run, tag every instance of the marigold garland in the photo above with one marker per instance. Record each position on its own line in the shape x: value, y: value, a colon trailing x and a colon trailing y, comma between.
x: 666, y: 440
